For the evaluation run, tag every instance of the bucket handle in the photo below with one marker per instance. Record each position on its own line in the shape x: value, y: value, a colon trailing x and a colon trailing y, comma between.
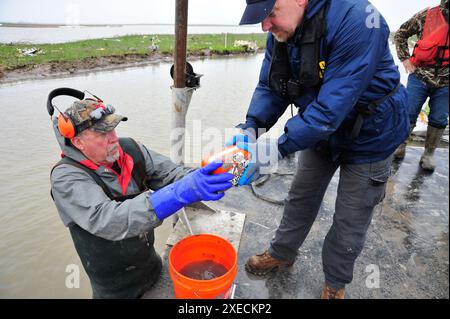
x: 232, y: 288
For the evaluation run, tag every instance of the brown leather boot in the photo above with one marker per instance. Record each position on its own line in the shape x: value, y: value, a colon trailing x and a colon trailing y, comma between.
x: 400, y: 152
x: 262, y: 264
x: 330, y: 293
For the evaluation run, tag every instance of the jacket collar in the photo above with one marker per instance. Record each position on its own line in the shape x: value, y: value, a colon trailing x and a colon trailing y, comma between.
x: 312, y: 9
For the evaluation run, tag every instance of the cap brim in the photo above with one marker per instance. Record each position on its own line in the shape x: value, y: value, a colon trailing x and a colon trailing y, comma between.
x: 256, y: 12
x: 108, y: 123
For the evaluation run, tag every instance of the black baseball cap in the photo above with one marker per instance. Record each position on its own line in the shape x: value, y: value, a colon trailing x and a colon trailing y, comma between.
x: 256, y: 11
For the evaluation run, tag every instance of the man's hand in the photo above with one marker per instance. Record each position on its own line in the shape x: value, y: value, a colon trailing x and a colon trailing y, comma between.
x: 409, y: 66
x: 244, y: 136
x: 264, y: 160
x: 196, y: 186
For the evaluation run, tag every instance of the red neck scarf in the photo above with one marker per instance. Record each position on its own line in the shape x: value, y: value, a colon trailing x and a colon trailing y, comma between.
x: 125, y: 163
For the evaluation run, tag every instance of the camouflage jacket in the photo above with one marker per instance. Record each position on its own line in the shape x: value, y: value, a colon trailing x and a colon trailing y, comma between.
x: 414, y: 26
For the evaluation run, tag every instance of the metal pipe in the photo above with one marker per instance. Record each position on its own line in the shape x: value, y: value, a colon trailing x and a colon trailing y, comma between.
x: 179, y: 82
x: 181, y: 20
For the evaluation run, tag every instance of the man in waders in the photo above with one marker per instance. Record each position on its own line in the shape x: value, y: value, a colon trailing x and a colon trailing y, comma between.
x: 102, y: 188
x: 428, y: 75
x: 331, y: 59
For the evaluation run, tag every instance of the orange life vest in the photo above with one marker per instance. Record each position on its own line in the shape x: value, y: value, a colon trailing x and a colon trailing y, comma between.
x: 433, y: 48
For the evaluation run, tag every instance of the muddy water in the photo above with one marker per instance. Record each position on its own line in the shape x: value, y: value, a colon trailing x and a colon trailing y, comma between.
x: 35, y: 248
x: 203, y: 270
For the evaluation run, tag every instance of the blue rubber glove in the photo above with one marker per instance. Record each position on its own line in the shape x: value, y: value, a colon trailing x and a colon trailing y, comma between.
x: 245, y: 136
x: 194, y: 187
x: 264, y: 160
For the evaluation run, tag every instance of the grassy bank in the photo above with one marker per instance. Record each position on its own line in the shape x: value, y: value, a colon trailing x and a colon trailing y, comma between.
x: 11, y: 57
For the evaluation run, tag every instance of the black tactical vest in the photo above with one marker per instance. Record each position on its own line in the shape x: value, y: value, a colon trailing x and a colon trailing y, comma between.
x: 281, y: 79
x: 118, y: 269
x: 312, y: 68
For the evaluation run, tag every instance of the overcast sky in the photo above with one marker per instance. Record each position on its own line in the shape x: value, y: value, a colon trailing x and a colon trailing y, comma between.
x: 162, y: 11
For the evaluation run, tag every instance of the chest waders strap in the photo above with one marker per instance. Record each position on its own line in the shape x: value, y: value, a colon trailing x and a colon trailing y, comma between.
x: 281, y: 78
x: 124, y: 268
x: 440, y: 56
x: 139, y: 175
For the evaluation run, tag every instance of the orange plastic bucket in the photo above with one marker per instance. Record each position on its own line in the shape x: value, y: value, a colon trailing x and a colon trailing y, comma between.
x: 200, y: 248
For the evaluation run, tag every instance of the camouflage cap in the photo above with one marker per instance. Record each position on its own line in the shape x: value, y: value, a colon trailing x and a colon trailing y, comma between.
x: 93, y: 114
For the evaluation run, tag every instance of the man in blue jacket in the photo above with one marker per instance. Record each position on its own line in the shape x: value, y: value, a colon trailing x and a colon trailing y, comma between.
x: 331, y: 59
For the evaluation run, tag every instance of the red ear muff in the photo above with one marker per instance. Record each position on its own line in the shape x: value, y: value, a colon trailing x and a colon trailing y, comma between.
x: 65, y: 126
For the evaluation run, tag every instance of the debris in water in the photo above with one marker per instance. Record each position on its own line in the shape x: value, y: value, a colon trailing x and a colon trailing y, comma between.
x: 154, y: 44
x: 30, y: 51
x: 203, y: 270
x: 249, y: 46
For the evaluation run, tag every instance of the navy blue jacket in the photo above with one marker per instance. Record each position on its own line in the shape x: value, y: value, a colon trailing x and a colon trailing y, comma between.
x: 359, y: 69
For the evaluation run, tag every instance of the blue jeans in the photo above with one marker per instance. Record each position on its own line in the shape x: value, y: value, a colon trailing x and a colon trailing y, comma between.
x: 361, y: 187
x: 418, y: 92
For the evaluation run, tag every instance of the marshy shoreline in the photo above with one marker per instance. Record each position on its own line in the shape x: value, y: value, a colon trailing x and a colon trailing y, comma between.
x: 107, y: 63
x: 20, y: 62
